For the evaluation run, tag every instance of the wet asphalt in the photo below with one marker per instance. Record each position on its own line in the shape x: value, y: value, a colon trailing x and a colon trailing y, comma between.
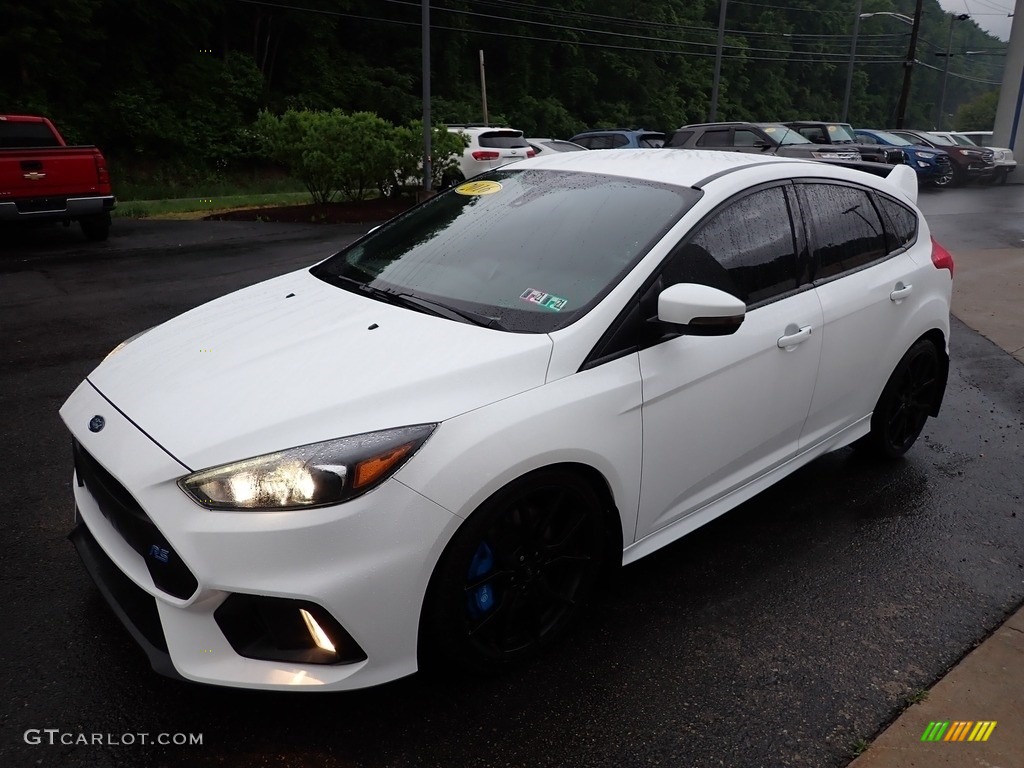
x: 780, y: 635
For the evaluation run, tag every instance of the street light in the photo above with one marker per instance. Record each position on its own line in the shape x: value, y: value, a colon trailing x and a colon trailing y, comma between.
x: 857, y: 16
x: 945, y: 69
x: 908, y: 65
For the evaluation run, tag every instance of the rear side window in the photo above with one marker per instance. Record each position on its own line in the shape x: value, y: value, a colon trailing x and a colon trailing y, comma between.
x: 503, y: 140
x: 679, y: 138
x: 651, y: 140
x: 19, y: 134
x: 846, y: 230
x: 747, y: 249
x: 900, y: 223
x: 715, y: 139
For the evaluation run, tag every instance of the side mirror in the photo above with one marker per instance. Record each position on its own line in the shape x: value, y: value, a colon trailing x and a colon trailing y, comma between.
x: 699, y: 310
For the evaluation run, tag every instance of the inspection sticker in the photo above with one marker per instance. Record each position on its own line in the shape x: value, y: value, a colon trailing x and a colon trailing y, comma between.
x: 478, y: 188
x: 546, y: 300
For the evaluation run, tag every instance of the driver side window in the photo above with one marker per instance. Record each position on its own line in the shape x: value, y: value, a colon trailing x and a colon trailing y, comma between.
x: 746, y: 249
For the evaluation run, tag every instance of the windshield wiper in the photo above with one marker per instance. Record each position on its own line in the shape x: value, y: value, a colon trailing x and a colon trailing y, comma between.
x: 443, y: 310
x: 419, y: 304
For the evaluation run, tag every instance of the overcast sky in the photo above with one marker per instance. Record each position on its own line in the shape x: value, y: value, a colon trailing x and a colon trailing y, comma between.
x: 990, y: 15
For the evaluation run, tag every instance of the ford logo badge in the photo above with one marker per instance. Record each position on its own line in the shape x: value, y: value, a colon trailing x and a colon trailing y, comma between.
x: 96, y: 423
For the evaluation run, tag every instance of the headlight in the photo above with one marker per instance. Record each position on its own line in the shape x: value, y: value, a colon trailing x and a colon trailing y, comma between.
x: 126, y: 342
x: 970, y: 152
x: 307, y: 476
x: 926, y: 155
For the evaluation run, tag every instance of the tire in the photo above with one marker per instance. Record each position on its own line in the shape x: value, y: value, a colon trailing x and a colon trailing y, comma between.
x: 96, y: 227
x: 949, y: 179
x: 515, y: 574
x: 906, y: 401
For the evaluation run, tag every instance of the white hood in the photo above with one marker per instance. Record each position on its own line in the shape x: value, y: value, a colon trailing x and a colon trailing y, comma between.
x: 258, y: 370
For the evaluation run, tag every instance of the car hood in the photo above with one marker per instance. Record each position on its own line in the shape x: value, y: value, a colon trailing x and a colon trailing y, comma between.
x: 294, y: 360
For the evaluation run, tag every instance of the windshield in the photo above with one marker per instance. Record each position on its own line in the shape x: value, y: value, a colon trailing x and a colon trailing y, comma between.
x: 892, y: 138
x: 523, y: 250
x: 784, y: 134
x: 963, y: 141
x: 940, y: 139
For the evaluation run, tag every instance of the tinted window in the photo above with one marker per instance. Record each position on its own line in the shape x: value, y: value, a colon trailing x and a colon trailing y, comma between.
x: 747, y: 250
x: 846, y: 228
x: 717, y: 138
x: 900, y: 223
x: 618, y: 140
x: 599, y: 142
x: 745, y: 138
x: 19, y: 134
x: 784, y: 134
x: 562, y: 146
x: 679, y: 138
x: 503, y: 140
x: 530, y: 248
x: 651, y: 140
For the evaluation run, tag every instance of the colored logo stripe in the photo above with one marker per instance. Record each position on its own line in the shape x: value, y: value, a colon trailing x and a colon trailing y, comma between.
x: 959, y: 730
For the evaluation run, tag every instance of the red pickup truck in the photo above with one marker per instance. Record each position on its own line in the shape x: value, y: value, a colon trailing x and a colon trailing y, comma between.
x: 43, y: 179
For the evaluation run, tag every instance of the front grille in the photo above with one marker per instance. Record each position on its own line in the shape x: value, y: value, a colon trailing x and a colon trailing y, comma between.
x: 942, y: 160
x: 127, y: 517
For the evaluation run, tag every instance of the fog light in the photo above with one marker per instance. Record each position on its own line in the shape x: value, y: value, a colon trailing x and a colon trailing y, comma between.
x: 279, y: 629
x: 316, y: 632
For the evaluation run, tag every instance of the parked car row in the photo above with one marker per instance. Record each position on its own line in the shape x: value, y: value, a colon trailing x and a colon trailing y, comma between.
x: 940, y: 159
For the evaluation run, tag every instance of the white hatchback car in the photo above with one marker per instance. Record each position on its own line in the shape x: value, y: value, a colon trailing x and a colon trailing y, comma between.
x: 427, y: 447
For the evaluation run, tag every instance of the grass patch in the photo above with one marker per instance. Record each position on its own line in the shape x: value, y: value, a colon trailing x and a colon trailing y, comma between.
x: 197, y: 207
x: 859, y: 747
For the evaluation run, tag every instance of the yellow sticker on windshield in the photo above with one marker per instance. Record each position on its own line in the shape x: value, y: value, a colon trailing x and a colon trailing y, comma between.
x: 478, y: 188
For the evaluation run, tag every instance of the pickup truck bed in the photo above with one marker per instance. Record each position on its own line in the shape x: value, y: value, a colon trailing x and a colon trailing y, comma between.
x: 52, y: 181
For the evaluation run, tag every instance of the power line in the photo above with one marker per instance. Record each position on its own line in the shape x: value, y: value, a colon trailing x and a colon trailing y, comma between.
x: 823, y: 57
x: 962, y: 77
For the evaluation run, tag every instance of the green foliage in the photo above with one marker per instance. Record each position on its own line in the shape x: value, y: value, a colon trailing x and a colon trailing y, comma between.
x: 445, y: 150
x: 305, y: 142
x: 979, y: 114
x: 364, y: 152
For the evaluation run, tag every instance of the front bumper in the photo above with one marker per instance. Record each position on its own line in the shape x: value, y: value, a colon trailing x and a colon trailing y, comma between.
x: 366, y: 562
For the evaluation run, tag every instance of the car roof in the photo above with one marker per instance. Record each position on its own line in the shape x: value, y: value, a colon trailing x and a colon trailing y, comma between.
x: 679, y: 167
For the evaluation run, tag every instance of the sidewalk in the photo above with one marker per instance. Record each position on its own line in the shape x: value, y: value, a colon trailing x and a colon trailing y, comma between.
x: 988, y: 684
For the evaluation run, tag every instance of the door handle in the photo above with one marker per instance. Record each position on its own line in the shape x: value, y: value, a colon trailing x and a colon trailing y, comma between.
x: 794, y: 336
x: 900, y: 292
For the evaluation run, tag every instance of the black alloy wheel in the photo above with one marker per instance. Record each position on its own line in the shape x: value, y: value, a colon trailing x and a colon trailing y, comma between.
x: 907, y: 400
x: 516, y: 573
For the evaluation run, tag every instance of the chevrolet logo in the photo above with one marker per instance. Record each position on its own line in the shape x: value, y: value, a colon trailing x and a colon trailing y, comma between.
x: 34, y: 175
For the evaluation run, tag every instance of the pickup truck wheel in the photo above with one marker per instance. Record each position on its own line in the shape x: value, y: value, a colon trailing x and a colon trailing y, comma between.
x: 96, y: 227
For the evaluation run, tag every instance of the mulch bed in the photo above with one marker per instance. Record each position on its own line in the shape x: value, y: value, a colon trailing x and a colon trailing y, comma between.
x: 360, y: 212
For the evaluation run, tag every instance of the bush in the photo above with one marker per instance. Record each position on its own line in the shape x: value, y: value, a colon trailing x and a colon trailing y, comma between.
x: 445, y: 150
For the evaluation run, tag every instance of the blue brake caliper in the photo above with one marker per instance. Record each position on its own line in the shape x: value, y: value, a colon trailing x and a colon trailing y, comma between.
x: 481, y: 599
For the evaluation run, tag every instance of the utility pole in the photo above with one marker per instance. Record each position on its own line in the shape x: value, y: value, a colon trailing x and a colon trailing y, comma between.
x: 427, y: 126
x: 908, y: 71
x: 713, y: 113
x: 483, y: 86
x: 849, y: 68
x: 945, y: 70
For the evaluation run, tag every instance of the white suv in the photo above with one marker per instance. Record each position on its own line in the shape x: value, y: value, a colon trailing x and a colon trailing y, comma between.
x: 490, y: 147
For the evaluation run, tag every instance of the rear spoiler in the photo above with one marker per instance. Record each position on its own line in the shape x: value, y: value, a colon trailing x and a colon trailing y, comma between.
x: 904, y: 178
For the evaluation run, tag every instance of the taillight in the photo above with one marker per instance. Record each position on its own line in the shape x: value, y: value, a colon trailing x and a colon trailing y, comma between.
x: 530, y: 153
x: 481, y: 154
x: 941, y: 258
x: 102, y: 175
